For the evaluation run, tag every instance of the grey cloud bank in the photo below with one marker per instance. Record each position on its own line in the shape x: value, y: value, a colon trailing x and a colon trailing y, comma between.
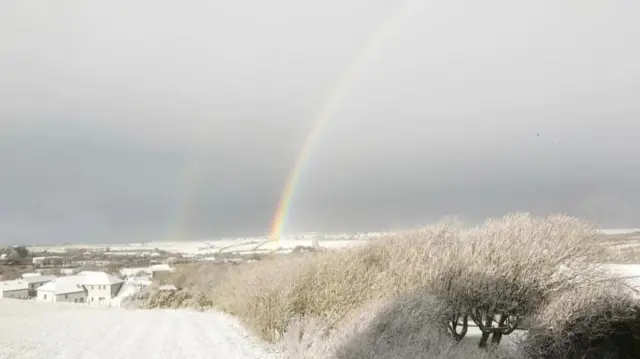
x: 143, y: 120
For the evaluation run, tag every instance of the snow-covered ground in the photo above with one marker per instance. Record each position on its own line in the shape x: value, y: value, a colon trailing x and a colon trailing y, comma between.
x: 34, y: 330
x: 245, y: 245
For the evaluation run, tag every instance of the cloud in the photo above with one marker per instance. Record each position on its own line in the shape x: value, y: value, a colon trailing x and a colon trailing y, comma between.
x: 146, y: 120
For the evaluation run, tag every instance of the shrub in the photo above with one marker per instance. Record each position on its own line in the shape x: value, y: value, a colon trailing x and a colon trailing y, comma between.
x: 505, y: 270
x: 599, y: 321
x: 497, y: 275
x: 157, y: 299
x: 267, y: 296
x: 411, y: 327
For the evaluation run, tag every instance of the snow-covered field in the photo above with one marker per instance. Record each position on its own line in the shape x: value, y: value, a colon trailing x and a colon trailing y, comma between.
x: 30, y: 330
x: 244, y: 245
x: 34, y: 330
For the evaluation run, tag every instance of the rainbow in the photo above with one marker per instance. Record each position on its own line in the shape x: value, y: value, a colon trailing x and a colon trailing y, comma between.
x: 335, y: 95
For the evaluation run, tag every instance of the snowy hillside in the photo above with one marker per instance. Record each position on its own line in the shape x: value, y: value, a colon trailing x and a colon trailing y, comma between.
x: 30, y: 330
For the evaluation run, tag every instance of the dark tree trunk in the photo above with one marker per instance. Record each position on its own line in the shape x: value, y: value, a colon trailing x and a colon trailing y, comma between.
x: 453, y: 327
x: 497, y: 336
x: 485, y: 334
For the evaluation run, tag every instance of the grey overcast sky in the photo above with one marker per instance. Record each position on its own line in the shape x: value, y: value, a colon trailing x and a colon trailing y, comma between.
x: 135, y: 120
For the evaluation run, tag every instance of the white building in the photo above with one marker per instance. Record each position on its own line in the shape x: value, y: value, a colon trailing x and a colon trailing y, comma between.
x: 63, y: 289
x: 159, y: 271
x: 94, y: 288
x: 14, y: 289
x: 36, y: 281
x: 101, y: 287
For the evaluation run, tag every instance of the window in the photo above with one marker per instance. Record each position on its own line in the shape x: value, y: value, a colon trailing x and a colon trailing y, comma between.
x: 66, y: 296
x: 44, y: 297
x: 81, y: 300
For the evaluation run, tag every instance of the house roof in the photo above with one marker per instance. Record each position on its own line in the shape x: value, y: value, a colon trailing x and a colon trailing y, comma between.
x: 99, y: 278
x: 39, y: 279
x: 13, y: 285
x: 25, y: 275
x: 64, y: 285
x: 127, y: 289
x: 75, y: 283
x: 160, y: 268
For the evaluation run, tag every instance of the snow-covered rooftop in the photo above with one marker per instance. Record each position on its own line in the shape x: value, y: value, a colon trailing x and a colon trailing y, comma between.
x: 13, y: 285
x: 25, y: 275
x: 99, y: 278
x: 39, y: 278
x: 167, y: 287
x: 64, y: 285
x: 75, y: 283
x: 160, y: 268
x: 126, y: 290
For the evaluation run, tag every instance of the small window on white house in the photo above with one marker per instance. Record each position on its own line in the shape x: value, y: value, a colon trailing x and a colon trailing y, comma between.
x: 45, y: 297
x: 66, y: 296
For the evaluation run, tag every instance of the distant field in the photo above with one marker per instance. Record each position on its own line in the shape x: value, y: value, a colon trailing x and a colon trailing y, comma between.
x: 623, y: 245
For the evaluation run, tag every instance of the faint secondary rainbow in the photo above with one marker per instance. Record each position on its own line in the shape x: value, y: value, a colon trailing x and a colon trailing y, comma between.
x: 335, y: 95
x: 191, y: 181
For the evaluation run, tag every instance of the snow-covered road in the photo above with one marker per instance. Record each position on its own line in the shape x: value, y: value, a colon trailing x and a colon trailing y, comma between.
x: 48, y: 330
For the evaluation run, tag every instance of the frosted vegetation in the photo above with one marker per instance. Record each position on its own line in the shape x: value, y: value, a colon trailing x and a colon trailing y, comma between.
x: 432, y: 293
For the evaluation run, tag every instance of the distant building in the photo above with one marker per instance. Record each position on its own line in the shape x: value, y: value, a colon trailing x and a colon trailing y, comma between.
x: 94, y: 288
x: 63, y: 289
x: 36, y: 281
x: 160, y: 271
x: 14, y: 289
x: 101, y: 287
x: 167, y: 288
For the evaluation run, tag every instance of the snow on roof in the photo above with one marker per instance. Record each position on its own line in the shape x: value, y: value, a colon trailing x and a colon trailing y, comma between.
x: 127, y: 289
x: 39, y: 278
x: 99, y: 278
x: 160, y: 267
x: 64, y: 285
x: 167, y: 287
x: 13, y: 285
x: 25, y: 275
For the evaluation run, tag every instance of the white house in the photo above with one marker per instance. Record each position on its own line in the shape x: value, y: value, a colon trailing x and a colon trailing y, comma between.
x: 100, y: 286
x: 36, y: 281
x: 14, y: 289
x: 63, y: 289
x: 159, y: 271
